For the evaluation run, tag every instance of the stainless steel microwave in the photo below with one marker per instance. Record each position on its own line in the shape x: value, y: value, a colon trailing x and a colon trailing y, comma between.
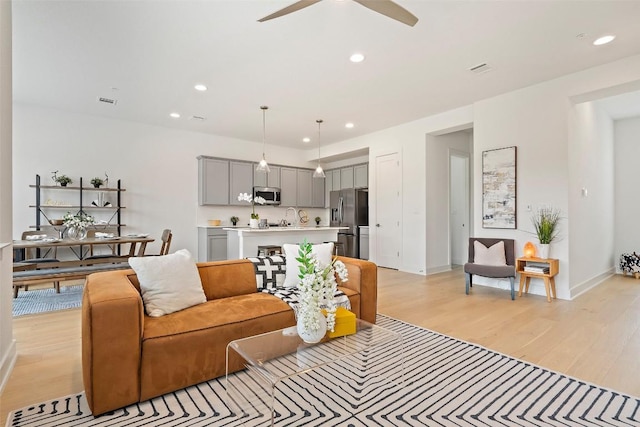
x: 271, y: 195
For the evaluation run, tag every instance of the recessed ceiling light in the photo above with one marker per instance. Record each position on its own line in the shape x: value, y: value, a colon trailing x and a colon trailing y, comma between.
x: 175, y: 115
x: 349, y: 125
x: 306, y: 139
x: 604, y: 40
x: 200, y: 87
x: 356, y: 57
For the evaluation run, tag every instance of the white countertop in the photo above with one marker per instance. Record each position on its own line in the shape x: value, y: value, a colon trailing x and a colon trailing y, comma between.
x: 281, y: 229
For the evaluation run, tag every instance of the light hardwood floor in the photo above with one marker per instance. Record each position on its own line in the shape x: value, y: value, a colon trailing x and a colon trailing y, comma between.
x: 596, y: 337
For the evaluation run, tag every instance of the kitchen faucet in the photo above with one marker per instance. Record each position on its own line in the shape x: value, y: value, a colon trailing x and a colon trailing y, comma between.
x: 295, y: 215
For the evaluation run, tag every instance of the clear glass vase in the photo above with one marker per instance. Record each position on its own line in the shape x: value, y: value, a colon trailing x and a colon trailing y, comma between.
x: 77, y: 233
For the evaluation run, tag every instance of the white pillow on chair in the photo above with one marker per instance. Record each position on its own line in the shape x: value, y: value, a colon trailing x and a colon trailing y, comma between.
x: 322, y: 251
x: 494, y: 255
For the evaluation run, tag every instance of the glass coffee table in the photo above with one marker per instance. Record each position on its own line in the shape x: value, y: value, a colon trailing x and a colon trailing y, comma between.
x: 272, y: 358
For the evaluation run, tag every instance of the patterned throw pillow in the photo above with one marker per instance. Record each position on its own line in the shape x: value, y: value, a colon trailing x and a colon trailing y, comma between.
x: 270, y: 271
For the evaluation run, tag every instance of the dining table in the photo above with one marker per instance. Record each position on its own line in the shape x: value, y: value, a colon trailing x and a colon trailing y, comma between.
x: 138, y: 242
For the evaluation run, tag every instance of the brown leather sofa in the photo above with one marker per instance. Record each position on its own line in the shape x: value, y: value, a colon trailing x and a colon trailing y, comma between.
x: 128, y: 357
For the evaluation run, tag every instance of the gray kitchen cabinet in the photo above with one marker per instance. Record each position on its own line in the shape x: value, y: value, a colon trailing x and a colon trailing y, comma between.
x: 346, y: 178
x: 305, y: 188
x: 271, y: 179
x: 213, y: 181
x: 328, y: 187
x: 212, y: 244
x: 336, y: 180
x: 288, y: 187
x: 317, y: 193
x: 241, y: 181
x: 361, y: 176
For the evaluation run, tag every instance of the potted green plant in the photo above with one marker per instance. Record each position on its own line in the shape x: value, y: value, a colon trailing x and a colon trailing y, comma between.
x: 63, y: 180
x: 97, y: 182
x: 234, y: 220
x: 317, y: 219
x: 546, y: 221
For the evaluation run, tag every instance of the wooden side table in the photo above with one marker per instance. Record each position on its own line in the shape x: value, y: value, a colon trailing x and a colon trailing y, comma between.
x: 549, y: 281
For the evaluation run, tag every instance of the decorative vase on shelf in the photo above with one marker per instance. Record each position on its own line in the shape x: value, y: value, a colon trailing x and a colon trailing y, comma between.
x: 254, y: 222
x: 314, y: 331
x: 543, y: 250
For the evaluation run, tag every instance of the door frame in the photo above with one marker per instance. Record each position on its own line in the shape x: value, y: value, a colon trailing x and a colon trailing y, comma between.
x: 467, y: 158
x: 373, y: 214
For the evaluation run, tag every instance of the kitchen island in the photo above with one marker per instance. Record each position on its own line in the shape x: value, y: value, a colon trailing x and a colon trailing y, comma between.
x: 244, y: 242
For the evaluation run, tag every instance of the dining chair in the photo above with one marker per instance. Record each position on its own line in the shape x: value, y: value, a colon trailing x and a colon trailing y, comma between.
x: 31, y: 258
x: 166, y: 243
x: 92, y: 234
x: 505, y: 268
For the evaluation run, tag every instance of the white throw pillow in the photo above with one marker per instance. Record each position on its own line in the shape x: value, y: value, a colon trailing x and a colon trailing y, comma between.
x: 489, y: 256
x: 168, y: 283
x: 322, y: 251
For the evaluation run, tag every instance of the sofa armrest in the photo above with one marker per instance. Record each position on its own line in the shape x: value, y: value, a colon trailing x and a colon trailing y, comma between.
x: 112, y: 326
x: 363, y: 278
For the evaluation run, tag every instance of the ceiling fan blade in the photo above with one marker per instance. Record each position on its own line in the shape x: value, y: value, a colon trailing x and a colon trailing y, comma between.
x: 290, y: 9
x: 390, y: 9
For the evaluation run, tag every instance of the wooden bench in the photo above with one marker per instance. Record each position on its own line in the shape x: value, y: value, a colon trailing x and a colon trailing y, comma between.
x: 71, y: 270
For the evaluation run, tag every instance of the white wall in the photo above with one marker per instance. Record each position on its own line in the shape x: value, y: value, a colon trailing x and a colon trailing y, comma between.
x: 438, y: 252
x: 591, y: 169
x: 627, y: 202
x: 538, y: 120
x: 7, y: 343
x: 157, y: 166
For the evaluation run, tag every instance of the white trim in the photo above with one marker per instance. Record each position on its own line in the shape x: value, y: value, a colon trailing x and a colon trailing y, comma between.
x: 438, y: 269
x: 7, y: 364
x: 583, y: 287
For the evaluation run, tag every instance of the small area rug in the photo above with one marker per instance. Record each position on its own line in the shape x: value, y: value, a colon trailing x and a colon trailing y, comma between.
x: 43, y: 300
x: 448, y: 382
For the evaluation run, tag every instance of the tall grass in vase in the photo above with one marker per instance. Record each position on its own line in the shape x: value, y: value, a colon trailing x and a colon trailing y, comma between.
x: 545, y: 222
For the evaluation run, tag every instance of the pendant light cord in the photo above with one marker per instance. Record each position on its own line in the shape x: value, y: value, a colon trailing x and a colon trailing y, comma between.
x: 264, y: 129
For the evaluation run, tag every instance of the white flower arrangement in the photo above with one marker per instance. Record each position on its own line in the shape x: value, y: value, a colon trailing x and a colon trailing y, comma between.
x: 246, y: 197
x: 317, y: 288
x: 78, y: 220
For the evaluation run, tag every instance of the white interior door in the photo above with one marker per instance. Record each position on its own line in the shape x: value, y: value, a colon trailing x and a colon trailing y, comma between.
x: 458, y: 206
x: 388, y: 211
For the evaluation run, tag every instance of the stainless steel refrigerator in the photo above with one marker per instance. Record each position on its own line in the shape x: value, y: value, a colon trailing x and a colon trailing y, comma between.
x: 349, y: 208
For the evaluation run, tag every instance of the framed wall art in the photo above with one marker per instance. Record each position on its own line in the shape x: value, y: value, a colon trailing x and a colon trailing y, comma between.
x: 499, y: 188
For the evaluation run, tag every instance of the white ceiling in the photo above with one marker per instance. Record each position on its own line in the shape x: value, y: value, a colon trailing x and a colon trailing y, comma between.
x: 68, y: 53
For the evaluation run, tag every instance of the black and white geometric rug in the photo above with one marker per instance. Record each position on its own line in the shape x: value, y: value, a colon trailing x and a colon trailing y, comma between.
x: 43, y: 300
x: 447, y: 383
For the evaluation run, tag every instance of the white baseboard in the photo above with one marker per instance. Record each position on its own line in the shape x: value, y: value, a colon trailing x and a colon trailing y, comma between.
x: 583, y: 287
x: 7, y: 363
x: 439, y: 269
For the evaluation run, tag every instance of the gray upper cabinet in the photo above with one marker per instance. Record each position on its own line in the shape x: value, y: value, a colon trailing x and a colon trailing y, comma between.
x: 241, y: 181
x: 213, y: 180
x: 305, y: 188
x: 361, y: 176
x: 336, y: 180
x: 328, y: 187
x: 318, y: 193
x: 289, y: 187
x: 271, y: 179
x: 346, y: 177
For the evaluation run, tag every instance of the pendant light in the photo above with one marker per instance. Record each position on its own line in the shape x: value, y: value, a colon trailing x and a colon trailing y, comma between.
x: 319, y: 173
x: 263, y: 166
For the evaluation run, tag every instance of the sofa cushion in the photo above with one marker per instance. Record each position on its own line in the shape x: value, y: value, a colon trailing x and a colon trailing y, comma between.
x: 168, y: 283
x: 270, y: 271
x: 322, y: 251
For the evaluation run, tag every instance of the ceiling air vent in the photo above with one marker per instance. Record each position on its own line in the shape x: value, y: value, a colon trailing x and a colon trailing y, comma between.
x: 197, y: 118
x: 480, y: 68
x: 108, y: 101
